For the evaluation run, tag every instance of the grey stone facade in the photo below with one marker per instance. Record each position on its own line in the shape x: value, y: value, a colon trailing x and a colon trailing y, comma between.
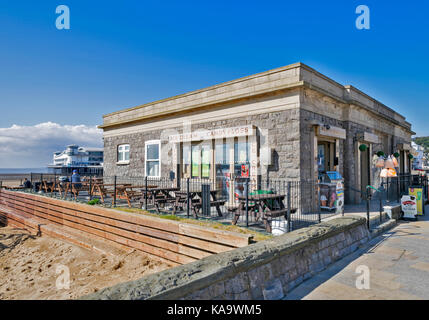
x: 287, y: 106
x: 283, y: 135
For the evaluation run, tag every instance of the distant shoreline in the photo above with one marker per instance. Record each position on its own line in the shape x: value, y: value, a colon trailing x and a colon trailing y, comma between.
x: 22, y: 170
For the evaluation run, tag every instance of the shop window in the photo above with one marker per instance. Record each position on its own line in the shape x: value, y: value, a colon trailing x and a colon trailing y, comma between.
x: 186, y: 160
x: 223, y: 168
x: 123, y: 153
x: 196, y: 150
x: 196, y: 160
x: 152, y: 158
x: 222, y: 150
x: 241, y: 157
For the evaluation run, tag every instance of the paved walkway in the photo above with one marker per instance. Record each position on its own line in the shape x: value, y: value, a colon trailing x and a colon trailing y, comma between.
x: 398, y: 263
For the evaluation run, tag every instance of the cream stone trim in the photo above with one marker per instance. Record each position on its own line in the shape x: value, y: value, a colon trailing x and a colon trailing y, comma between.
x: 254, y: 108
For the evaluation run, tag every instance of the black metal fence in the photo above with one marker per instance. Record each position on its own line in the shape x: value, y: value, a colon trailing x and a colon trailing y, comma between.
x: 275, y: 206
x: 394, y: 188
x: 272, y: 205
x: 388, y: 192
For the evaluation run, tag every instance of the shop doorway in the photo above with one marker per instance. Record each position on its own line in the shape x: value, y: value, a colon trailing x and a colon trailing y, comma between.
x: 365, y: 176
x: 326, y: 160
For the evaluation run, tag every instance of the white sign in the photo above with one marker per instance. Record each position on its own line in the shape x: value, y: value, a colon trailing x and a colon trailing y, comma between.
x: 213, y: 134
x: 409, y: 206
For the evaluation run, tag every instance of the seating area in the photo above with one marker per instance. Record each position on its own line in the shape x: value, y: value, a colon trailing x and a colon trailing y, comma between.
x: 187, y: 198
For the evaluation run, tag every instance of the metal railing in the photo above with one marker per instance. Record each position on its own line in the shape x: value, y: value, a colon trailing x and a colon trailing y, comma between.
x: 295, y: 204
x: 290, y: 205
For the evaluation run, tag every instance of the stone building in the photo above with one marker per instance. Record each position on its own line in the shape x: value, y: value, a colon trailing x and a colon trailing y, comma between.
x: 288, y: 123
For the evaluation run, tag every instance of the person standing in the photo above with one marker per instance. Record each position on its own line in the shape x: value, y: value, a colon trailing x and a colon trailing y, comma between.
x: 75, y: 179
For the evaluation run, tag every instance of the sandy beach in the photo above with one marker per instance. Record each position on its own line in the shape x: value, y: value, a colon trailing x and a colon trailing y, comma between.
x: 29, y: 266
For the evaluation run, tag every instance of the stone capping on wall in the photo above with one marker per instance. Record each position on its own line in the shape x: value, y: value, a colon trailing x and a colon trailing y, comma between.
x: 209, y: 277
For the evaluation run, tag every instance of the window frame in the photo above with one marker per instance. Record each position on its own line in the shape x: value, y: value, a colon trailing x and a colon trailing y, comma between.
x: 146, y: 144
x: 123, y: 152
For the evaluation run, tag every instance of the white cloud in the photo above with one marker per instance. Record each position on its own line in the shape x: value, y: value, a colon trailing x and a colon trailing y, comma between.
x: 33, y: 146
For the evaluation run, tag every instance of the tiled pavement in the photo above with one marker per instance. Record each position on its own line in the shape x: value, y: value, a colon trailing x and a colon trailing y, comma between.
x: 398, y: 262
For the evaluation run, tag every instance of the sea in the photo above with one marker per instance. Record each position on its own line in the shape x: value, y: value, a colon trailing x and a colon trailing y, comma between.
x: 23, y: 170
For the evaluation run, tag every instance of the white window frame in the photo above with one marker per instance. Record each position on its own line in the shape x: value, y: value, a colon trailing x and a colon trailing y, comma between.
x: 117, y: 154
x: 152, y: 142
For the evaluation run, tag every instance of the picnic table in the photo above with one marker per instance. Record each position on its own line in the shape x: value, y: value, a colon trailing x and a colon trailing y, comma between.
x: 159, y: 196
x: 196, y: 201
x: 104, y: 190
x: 129, y: 192
x: 48, y: 186
x: 265, y: 206
x: 60, y: 187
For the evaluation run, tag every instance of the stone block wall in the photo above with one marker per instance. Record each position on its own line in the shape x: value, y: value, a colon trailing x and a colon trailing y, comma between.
x: 281, y: 129
x: 265, y: 270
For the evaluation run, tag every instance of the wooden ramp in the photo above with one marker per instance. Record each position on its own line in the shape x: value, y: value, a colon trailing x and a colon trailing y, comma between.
x: 173, y: 241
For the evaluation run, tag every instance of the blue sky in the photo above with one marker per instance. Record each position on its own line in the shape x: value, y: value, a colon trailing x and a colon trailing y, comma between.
x: 122, y: 54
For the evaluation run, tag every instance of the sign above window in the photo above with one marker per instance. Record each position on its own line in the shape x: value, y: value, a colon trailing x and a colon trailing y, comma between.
x: 213, y: 134
x: 332, y: 132
x: 368, y: 137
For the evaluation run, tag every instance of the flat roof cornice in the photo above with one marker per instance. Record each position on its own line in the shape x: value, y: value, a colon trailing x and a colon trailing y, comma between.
x: 271, y: 81
x: 217, y: 86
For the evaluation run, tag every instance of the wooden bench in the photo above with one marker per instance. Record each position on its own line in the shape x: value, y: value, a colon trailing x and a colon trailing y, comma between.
x: 213, y: 203
x: 60, y: 188
x: 128, y: 193
x: 267, y: 206
x: 158, y: 197
x: 101, y: 191
x: 84, y: 186
x: 48, y: 186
